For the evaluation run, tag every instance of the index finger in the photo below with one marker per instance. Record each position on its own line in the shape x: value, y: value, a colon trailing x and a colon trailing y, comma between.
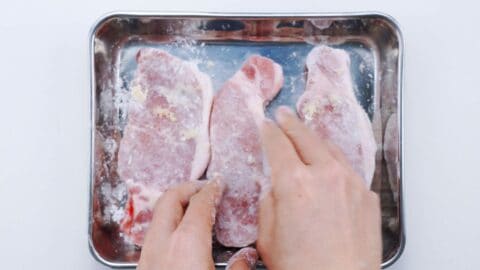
x: 280, y: 152
x: 311, y: 148
x: 308, y: 145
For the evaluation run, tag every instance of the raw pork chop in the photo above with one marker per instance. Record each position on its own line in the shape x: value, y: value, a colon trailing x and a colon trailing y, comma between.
x: 329, y: 107
x: 237, y: 155
x: 166, y: 139
x: 391, y: 153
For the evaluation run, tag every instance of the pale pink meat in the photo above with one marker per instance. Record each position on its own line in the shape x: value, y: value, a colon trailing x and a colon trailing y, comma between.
x: 237, y: 154
x: 330, y: 108
x: 166, y: 140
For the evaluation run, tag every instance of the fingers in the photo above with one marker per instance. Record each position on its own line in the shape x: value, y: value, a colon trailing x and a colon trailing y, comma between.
x: 169, y: 208
x: 337, y: 153
x: 307, y: 144
x: 200, y: 214
x: 277, y: 146
x: 244, y: 259
x: 168, y: 211
x: 311, y: 148
x: 280, y: 153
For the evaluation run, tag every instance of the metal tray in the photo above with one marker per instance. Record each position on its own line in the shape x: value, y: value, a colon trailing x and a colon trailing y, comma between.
x: 219, y: 43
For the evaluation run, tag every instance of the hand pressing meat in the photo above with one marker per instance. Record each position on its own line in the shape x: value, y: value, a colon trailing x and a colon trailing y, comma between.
x: 319, y: 213
x: 329, y: 107
x: 166, y: 139
x: 237, y: 155
x: 180, y: 234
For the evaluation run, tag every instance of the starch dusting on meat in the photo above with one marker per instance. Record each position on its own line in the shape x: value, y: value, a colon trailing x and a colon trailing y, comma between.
x: 237, y: 154
x: 166, y: 139
x: 330, y: 108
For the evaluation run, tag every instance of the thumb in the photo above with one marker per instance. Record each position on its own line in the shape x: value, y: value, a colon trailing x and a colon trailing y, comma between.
x: 200, y: 214
x: 244, y: 259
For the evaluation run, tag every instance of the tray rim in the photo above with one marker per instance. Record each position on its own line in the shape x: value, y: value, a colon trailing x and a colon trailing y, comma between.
x: 262, y: 15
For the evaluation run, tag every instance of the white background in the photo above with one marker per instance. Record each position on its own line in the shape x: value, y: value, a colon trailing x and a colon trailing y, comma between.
x: 44, y: 125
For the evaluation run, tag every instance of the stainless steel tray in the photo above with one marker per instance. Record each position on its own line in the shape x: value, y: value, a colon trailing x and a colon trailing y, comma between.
x: 220, y: 43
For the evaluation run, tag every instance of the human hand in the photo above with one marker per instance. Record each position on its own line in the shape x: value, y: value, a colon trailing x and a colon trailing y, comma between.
x: 319, y: 213
x: 244, y: 259
x: 180, y: 233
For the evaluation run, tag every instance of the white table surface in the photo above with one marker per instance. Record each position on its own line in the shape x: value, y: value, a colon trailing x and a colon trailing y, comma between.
x: 44, y: 118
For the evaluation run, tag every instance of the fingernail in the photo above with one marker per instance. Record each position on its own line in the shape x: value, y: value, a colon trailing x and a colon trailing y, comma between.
x: 220, y: 183
x: 247, y: 255
x: 220, y: 188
